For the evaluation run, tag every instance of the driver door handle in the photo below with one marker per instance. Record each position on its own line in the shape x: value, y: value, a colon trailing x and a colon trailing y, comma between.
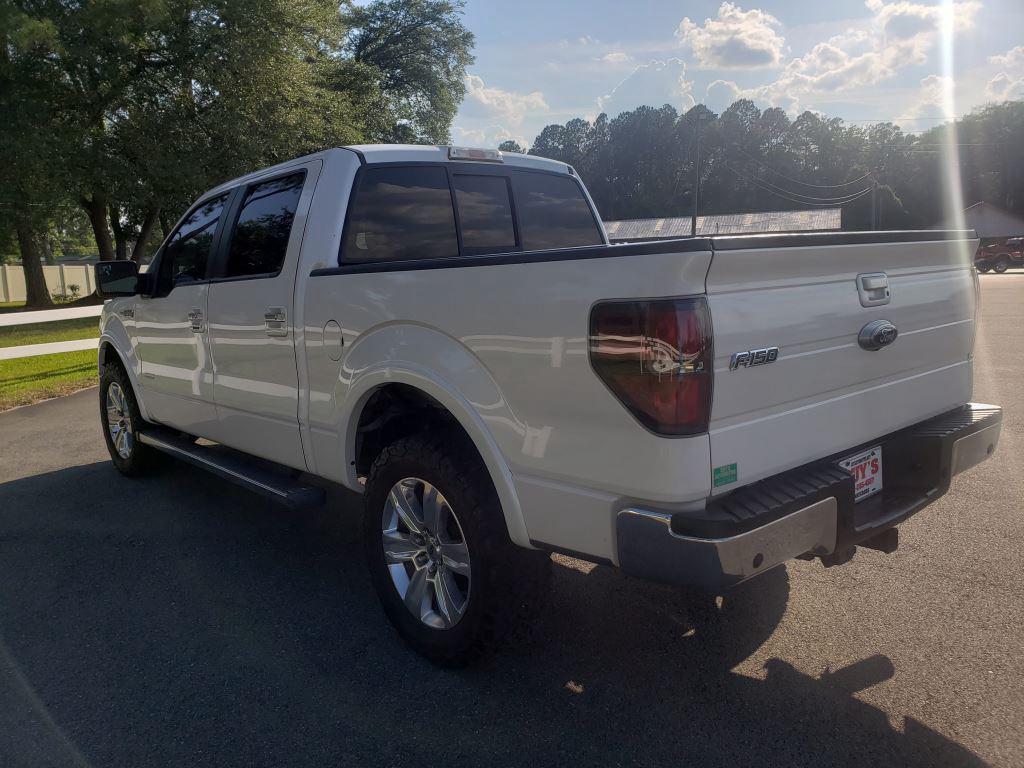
x: 195, y: 319
x: 276, y: 320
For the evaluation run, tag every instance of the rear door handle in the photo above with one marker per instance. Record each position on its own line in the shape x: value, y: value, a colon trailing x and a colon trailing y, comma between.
x: 276, y: 320
x: 195, y: 319
x: 873, y: 289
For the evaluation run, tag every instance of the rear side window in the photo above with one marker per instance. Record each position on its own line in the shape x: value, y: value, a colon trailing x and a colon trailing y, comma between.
x: 260, y: 240
x: 553, y: 213
x: 485, y: 213
x: 188, y: 251
x: 400, y: 214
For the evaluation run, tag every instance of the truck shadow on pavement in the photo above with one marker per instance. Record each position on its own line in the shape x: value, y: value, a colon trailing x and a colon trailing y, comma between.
x: 175, y: 620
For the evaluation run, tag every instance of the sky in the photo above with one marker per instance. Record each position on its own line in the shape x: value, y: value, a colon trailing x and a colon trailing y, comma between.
x: 915, y: 63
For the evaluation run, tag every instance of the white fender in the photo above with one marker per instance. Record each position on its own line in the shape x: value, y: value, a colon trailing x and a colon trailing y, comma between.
x: 441, y: 367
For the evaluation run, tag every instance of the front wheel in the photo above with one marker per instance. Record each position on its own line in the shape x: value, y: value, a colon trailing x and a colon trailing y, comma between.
x: 1002, y: 264
x: 448, y: 577
x: 983, y: 268
x: 119, y: 414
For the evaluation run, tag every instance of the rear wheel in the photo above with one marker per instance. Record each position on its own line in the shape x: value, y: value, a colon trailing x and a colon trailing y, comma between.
x: 447, y: 575
x: 1002, y: 264
x: 119, y: 414
x: 983, y: 268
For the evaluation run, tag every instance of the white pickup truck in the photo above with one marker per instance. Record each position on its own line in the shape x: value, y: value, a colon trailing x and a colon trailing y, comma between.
x: 449, y: 333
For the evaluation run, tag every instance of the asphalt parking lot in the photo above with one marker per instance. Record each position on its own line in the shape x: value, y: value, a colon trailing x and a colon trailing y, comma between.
x: 177, y: 620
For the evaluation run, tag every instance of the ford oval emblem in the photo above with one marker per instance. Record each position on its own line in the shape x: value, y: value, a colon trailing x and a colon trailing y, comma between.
x: 877, y: 334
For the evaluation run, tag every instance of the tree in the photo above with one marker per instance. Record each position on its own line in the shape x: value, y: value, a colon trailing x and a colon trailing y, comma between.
x: 511, y: 146
x: 643, y: 162
x: 154, y: 101
x: 415, y: 52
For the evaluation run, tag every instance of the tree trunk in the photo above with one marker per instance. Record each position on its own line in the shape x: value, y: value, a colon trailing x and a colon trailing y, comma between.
x: 120, y: 245
x: 145, y: 232
x: 31, y: 242
x: 96, y: 208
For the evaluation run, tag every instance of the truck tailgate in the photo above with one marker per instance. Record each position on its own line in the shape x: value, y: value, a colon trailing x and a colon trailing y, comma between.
x: 824, y: 393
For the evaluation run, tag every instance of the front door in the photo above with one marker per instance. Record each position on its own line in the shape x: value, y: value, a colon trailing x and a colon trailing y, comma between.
x: 171, y: 326
x: 252, y: 330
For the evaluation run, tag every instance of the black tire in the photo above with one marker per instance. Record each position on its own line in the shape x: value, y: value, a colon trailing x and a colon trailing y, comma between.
x: 139, y: 458
x: 1002, y: 264
x: 508, y: 584
x: 983, y: 268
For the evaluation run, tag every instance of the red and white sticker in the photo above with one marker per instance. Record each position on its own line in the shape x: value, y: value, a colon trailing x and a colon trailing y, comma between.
x: 866, y: 468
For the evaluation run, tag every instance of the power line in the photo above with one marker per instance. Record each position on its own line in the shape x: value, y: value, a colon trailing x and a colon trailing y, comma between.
x: 810, y: 198
x: 816, y: 202
x: 797, y: 181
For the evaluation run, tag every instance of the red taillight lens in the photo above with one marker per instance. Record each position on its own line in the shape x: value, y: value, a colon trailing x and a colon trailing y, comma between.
x: 655, y: 357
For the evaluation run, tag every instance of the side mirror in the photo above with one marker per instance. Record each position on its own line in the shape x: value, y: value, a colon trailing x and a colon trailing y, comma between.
x: 117, y: 278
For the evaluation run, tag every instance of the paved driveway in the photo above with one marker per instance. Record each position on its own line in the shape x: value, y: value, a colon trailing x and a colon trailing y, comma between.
x: 176, y: 620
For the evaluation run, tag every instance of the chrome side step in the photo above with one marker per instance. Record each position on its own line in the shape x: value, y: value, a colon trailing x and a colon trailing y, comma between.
x: 263, y: 477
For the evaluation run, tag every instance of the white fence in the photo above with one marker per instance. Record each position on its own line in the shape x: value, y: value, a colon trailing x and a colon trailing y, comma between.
x: 48, y: 316
x: 58, y: 278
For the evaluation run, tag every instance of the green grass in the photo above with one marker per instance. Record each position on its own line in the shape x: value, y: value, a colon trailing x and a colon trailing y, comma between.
x: 30, y: 379
x: 11, y: 306
x: 43, y: 333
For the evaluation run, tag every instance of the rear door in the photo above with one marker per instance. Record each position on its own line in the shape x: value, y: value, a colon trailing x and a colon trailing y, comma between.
x: 822, y: 392
x: 251, y: 328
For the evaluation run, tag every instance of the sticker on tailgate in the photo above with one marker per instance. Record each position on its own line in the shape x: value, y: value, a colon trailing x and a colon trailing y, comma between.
x: 724, y: 474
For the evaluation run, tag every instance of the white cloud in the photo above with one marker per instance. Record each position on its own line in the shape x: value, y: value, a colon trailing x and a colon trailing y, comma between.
x: 720, y: 94
x: 1008, y: 84
x: 735, y: 39
x: 1012, y: 59
x: 489, y: 136
x: 900, y: 34
x: 934, y: 99
x: 652, y: 84
x: 1004, y: 87
x: 507, y: 106
x: 616, y: 57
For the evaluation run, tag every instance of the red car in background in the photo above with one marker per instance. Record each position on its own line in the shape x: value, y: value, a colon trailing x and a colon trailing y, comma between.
x: 999, y: 257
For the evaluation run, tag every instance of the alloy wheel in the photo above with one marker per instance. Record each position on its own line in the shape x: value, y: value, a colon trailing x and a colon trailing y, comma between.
x: 119, y: 422
x: 426, y: 553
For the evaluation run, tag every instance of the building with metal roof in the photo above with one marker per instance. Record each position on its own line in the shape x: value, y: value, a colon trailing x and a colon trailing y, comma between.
x: 821, y: 220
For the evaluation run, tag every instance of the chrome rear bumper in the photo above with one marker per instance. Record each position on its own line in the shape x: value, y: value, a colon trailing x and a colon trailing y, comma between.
x: 805, y: 512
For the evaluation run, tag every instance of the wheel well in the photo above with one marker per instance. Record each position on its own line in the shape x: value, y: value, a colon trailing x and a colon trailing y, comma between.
x: 109, y: 355
x: 395, y: 411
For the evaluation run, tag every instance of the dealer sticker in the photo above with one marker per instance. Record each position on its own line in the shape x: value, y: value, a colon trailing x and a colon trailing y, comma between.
x: 724, y: 475
x: 866, y: 468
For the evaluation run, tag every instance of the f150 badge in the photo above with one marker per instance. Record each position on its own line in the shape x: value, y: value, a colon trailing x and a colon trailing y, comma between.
x: 754, y: 357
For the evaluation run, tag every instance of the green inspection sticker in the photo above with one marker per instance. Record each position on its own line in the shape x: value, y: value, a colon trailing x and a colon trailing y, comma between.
x: 724, y: 475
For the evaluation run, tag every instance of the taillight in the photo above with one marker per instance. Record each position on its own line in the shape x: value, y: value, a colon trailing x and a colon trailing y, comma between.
x: 655, y: 357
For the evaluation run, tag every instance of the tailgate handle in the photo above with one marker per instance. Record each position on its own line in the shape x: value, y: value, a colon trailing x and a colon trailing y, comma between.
x: 873, y: 289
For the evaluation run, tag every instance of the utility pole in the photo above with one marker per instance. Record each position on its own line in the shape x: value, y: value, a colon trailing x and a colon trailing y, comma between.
x: 696, y: 185
x: 874, y: 205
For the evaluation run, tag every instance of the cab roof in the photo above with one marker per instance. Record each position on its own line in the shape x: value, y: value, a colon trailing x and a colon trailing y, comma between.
x: 396, y: 153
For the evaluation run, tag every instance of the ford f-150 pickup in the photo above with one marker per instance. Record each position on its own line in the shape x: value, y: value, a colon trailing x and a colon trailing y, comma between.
x: 449, y: 333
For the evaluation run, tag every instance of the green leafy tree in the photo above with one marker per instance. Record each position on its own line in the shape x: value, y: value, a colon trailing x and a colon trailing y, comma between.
x: 149, y: 102
x: 415, y: 53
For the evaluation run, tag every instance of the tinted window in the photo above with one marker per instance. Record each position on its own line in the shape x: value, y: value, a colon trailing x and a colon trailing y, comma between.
x: 260, y: 239
x: 188, y: 251
x: 553, y: 212
x: 401, y: 214
x: 485, y: 213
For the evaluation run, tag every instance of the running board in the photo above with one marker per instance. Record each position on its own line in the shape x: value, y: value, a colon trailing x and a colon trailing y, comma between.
x: 258, y: 475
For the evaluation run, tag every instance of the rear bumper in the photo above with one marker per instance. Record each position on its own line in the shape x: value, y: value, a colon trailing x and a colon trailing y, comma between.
x: 808, y: 511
